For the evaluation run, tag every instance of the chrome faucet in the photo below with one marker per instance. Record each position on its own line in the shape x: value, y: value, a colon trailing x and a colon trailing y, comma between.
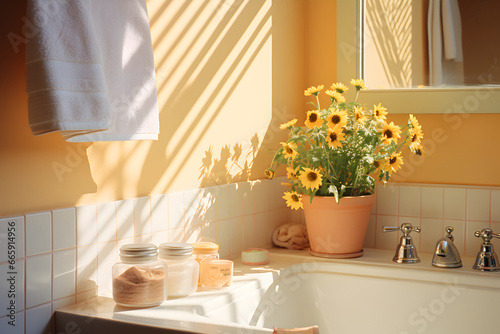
x: 406, y: 251
x: 486, y: 259
x: 446, y: 254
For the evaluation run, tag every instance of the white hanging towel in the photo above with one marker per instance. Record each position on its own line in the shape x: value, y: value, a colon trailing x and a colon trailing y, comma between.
x: 90, y: 70
x: 444, y: 30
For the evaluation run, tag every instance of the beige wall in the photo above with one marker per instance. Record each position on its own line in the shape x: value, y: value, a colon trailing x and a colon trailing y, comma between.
x: 227, y: 75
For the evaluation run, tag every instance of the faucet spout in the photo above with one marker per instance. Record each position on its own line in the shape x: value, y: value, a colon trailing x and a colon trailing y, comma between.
x: 446, y: 254
x: 441, y: 248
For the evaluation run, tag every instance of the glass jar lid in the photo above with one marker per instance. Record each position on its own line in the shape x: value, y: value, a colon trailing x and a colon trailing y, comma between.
x: 175, y: 249
x: 138, y: 252
x: 205, y: 247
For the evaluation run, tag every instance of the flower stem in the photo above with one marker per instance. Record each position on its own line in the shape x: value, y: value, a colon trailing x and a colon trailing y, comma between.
x: 356, y: 97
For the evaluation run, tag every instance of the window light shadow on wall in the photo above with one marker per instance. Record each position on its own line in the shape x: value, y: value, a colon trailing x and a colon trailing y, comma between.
x: 203, y: 51
x: 231, y: 166
x: 388, y: 43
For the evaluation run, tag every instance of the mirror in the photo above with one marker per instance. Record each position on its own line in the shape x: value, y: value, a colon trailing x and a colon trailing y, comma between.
x: 419, y: 43
x: 386, y: 43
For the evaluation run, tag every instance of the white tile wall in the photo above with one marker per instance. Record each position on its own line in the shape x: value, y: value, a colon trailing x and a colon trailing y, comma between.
x: 125, y: 219
x: 142, y: 216
x: 69, y: 252
x: 478, y: 204
x: 38, y: 233
x: 63, y: 228
x: 235, y: 200
x: 387, y: 199
x: 86, y: 225
x: 159, y: 213
x: 455, y: 203
x: 175, y: 210
x: 86, y: 268
x: 38, y: 280
x: 37, y: 317
x: 409, y: 201
x: 433, y: 207
x: 64, y: 273
x: 432, y: 202
x: 106, y: 222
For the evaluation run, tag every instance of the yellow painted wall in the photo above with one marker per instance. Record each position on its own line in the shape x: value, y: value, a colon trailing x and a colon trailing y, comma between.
x: 320, y: 44
x: 228, y: 74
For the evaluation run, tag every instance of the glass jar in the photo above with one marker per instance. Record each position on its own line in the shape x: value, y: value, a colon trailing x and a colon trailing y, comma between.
x: 216, y: 273
x: 205, y: 250
x: 140, y: 279
x: 183, y: 269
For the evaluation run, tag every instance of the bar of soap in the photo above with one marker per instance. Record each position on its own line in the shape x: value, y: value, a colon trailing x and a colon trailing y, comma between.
x: 255, y: 256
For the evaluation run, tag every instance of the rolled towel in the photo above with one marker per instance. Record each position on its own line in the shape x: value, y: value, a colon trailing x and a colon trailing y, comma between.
x: 302, y: 330
x: 292, y: 236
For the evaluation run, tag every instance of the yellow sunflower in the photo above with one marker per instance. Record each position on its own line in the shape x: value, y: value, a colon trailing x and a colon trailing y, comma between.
x: 416, y: 136
x: 313, y: 90
x: 379, y: 112
x: 358, y: 83
x: 414, y: 121
x: 335, y: 96
x: 419, y: 150
x: 288, y: 124
x: 289, y: 149
x: 394, y: 162
x: 390, y: 132
x: 293, y: 200
x: 291, y: 173
x: 269, y: 173
x: 334, y: 137
x: 337, y: 117
x: 313, y: 119
x: 359, y: 116
x: 311, y: 178
x: 339, y: 87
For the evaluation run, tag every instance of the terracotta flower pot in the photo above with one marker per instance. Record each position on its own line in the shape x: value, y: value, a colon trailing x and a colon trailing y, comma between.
x: 337, y: 230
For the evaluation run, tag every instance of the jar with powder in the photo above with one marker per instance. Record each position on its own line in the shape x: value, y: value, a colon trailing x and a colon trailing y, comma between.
x: 183, y: 269
x: 140, y: 279
x: 205, y: 250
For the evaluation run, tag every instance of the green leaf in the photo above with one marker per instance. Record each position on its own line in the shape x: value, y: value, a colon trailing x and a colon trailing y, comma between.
x: 333, y: 190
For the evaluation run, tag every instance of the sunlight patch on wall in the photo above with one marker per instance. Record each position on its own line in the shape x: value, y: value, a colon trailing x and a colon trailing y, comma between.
x: 216, y: 87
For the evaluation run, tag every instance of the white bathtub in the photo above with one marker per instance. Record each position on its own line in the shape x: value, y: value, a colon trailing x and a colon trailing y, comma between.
x: 370, y: 294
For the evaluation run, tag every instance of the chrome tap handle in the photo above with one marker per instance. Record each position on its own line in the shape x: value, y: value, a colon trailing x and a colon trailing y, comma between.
x: 406, y: 251
x: 487, y: 234
x: 449, y: 230
x: 405, y: 228
x: 486, y: 259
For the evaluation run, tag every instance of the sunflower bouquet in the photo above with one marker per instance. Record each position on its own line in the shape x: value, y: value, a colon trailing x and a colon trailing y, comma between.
x: 343, y: 148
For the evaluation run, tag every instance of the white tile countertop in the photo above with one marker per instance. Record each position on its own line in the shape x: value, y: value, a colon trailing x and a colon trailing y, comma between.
x: 217, y: 311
